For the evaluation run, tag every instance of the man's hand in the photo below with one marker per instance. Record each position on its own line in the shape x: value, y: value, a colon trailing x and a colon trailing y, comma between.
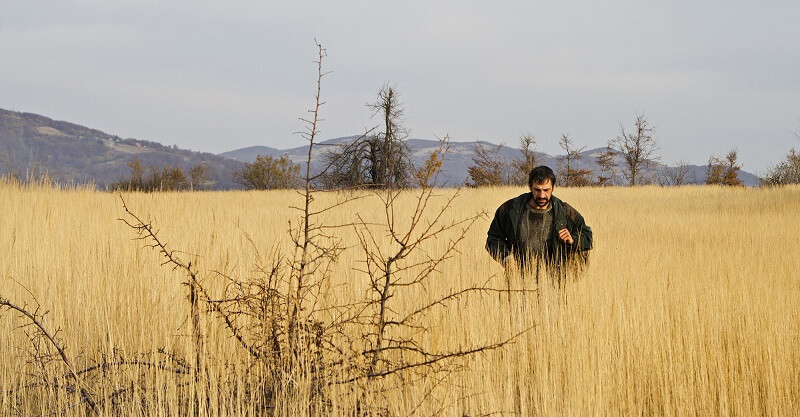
x: 565, y: 236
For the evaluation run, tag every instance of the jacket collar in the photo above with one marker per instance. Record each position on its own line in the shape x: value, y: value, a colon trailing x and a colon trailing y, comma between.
x: 519, y: 207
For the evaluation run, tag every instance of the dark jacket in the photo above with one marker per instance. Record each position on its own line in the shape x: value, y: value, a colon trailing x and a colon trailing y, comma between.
x: 503, y: 237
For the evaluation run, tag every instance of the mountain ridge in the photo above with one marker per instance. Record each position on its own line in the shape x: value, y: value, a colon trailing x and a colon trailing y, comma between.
x: 72, y: 153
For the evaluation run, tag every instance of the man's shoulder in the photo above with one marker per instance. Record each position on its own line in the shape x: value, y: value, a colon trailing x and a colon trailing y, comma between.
x: 570, y: 211
x: 518, y: 201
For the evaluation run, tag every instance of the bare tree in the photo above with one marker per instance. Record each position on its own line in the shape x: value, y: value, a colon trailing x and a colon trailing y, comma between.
x: 677, y: 175
x: 374, y: 161
x: 391, y: 166
x: 522, y: 167
x: 638, y: 149
x: 572, y: 177
x: 273, y: 316
x: 608, y: 173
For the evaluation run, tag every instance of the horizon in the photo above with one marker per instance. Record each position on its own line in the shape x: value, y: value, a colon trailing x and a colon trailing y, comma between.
x: 301, y: 145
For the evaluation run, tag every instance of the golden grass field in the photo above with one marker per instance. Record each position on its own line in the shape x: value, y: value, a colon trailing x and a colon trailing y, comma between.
x: 690, y: 304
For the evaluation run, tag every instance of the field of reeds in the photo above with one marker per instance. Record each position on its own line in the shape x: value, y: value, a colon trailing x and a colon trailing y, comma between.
x: 690, y: 305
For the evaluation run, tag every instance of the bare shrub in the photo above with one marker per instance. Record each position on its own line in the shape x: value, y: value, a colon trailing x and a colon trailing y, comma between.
x: 426, y: 175
x: 638, y: 149
x: 392, y: 272
x: 677, y: 175
x: 488, y: 167
x: 571, y: 175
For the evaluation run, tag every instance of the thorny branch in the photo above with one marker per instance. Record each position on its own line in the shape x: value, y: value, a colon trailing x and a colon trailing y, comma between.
x: 35, y: 319
x: 394, y: 269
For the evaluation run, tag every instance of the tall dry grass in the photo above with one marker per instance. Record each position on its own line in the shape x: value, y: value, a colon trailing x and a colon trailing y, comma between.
x: 690, y: 304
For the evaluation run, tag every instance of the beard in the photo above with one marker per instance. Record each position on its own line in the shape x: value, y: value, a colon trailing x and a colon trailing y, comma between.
x: 541, y: 202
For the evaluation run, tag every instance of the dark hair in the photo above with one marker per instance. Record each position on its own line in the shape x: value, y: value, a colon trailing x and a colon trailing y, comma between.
x: 540, y: 175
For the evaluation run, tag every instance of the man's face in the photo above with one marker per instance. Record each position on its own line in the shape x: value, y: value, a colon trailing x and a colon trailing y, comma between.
x: 541, y: 194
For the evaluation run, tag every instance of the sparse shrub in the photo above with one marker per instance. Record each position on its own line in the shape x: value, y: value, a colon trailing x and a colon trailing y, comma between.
x: 426, y: 175
x: 677, y: 175
x: 488, y: 168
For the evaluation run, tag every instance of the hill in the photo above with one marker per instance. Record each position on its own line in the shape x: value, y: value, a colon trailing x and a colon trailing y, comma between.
x: 70, y: 153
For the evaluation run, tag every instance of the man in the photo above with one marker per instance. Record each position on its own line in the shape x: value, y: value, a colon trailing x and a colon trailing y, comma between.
x: 537, y: 226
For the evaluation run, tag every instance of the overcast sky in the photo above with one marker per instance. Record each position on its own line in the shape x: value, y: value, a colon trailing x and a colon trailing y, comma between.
x: 216, y: 76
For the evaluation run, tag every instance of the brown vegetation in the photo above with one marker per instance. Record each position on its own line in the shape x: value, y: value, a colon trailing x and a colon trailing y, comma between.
x: 664, y: 320
x: 164, y: 178
x: 785, y: 172
x: 303, y: 347
x: 268, y: 173
x: 724, y: 172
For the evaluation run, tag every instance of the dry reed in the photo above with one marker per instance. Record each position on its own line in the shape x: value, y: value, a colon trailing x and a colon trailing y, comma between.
x: 689, y: 305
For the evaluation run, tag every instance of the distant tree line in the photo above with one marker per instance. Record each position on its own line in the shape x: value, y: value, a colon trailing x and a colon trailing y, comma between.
x: 633, y: 154
x: 380, y: 158
x: 163, y: 178
x: 636, y: 149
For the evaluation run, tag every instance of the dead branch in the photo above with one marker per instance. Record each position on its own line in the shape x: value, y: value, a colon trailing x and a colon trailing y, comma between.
x: 85, y: 394
x: 147, y: 232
